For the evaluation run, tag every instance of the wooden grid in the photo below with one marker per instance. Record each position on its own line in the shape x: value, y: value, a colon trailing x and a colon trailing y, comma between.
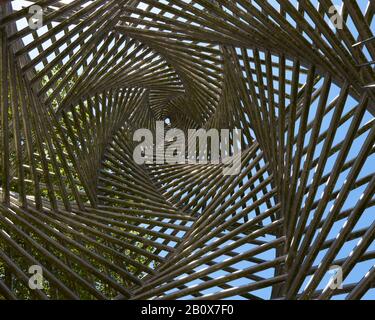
x: 102, y: 227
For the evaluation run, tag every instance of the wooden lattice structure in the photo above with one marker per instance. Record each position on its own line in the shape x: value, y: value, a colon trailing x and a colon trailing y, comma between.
x: 74, y: 202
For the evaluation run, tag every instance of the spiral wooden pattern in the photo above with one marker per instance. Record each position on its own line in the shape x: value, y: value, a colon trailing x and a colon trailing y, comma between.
x: 74, y: 202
